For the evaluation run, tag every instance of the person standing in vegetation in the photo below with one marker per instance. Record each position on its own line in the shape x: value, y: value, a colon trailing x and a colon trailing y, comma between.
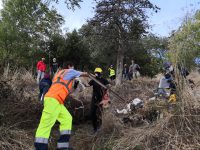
x: 168, y: 67
x: 54, y: 109
x: 97, y: 96
x: 130, y: 72
x: 112, y: 73
x: 41, y: 68
x: 125, y: 71
x: 134, y: 70
x: 44, y: 86
x: 54, y: 67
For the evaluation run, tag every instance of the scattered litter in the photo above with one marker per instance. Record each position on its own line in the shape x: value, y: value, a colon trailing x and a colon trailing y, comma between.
x: 123, y: 111
x: 137, y: 103
x: 152, y: 99
x: 133, y: 105
x: 162, y: 92
x: 135, y: 121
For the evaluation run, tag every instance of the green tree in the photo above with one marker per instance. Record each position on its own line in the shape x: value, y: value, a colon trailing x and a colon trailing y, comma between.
x: 119, y: 22
x: 26, y: 28
x: 75, y: 49
x: 184, y: 43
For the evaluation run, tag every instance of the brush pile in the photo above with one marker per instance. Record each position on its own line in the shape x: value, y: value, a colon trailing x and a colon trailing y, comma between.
x: 156, y: 126
x: 19, y: 113
x: 175, y: 127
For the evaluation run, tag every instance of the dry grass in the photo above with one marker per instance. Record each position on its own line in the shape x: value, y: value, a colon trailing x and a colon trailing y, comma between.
x: 19, y: 110
x: 15, y: 139
x: 103, y: 140
x: 178, y: 129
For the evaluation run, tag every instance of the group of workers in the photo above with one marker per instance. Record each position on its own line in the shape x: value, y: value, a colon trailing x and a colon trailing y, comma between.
x: 41, y: 68
x: 53, y: 95
x: 128, y: 72
x: 54, y: 67
x: 131, y: 72
x: 168, y: 81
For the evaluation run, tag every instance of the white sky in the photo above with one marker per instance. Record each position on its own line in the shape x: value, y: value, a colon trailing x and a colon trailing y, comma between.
x: 167, y: 19
x: 1, y: 4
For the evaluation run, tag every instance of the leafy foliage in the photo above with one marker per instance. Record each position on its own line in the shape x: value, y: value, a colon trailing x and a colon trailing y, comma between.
x: 184, y: 43
x: 119, y: 22
x: 115, y: 35
x: 26, y: 28
x: 76, y: 51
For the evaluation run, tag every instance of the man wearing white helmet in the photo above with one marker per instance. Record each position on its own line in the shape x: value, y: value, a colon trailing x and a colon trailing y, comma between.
x: 54, y: 66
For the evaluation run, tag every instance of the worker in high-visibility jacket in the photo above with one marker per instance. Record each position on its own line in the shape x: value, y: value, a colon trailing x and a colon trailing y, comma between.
x: 112, y: 73
x: 54, y: 109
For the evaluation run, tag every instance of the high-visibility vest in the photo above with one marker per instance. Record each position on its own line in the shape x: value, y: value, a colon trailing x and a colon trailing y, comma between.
x: 60, y: 88
x: 112, y: 72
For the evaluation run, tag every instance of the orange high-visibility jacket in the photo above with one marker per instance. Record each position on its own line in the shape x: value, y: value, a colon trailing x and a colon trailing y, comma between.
x: 60, y: 88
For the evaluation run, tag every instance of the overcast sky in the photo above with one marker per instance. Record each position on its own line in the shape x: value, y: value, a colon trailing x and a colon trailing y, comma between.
x: 0, y: 4
x: 167, y: 19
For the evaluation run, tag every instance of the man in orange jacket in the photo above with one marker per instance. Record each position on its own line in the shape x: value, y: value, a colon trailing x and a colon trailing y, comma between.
x: 54, y: 109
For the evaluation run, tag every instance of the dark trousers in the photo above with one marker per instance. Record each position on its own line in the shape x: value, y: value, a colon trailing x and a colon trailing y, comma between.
x: 112, y: 78
x: 130, y: 75
x: 96, y: 112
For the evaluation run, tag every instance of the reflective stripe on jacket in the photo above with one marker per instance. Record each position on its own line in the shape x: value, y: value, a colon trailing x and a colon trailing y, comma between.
x: 60, y: 88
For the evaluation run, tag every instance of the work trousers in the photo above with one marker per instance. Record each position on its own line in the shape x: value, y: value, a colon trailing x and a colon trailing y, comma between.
x: 96, y: 112
x: 40, y: 76
x: 136, y: 74
x: 53, y: 111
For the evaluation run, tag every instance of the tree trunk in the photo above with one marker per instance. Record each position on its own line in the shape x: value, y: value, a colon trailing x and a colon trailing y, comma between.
x: 120, y: 57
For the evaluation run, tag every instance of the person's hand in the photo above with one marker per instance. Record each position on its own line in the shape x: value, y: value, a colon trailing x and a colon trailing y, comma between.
x: 108, y: 86
x: 84, y: 74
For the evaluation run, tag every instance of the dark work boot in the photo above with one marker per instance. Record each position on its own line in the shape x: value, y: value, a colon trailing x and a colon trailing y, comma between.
x: 70, y: 148
x: 41, y: 146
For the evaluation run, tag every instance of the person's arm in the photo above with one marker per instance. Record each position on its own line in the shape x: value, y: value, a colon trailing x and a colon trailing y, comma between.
x: 86, y: 85
x: 130, y: 68
x: 107, y: 83
x: 38, y: 65
x: 89, y: 83
x: 84, y: 74
x: 45, y: 67
x: 74, y: 74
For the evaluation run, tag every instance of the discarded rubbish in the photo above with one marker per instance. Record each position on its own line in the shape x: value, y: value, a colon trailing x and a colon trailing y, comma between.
x: 133, y: 105
x: 137, y: 103
x: 152, y: 99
